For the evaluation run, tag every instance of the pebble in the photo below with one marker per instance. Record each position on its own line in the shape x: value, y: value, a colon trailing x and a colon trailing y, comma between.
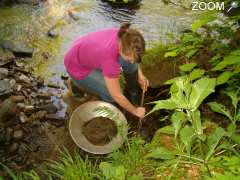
x: 13, y: 148
x: 18, y: 134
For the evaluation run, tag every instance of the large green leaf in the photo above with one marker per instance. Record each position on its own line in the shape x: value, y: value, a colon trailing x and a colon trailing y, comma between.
x: 196, y: 122
x: 177, y: 119
x: 161, y: 153
x: 164, y: 104
x: 111, y: 172
x: 171, y: 54
x: 224, y: 77
x: 190, y: 53
x: 196, y: 73
x: 166, y: 130
x: 234, y: 97
x: 187, y: 67
x: 207, y: 17
x: 187, y: 135
x: 200, y: 90
x: 228, y: 60
x: 213, y: 141
x: 219, y: 108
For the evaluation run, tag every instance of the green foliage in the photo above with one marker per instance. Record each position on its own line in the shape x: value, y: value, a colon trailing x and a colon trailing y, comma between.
x: 31, y: 175
x: 187, y: 67
x: 224, y: 77
x: 233, y: 59
x: 204, y: 19
x: 112, y: 172
x: 230, y: 165
x: 129, y: 156
x: 221, y: 109
x: 161, y: 153
x: 73, y: 167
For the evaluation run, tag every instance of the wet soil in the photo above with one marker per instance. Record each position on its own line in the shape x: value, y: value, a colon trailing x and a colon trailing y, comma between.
x: 99, y: 130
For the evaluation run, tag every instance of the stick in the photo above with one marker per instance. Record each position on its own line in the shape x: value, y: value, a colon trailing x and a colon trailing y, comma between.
x: 141, y: 105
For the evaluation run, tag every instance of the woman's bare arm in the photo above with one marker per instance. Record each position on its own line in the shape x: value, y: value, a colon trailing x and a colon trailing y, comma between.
x: 114, y: 89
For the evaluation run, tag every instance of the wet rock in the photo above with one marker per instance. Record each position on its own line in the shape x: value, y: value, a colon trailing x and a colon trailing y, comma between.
x: 3, y: 73
x: 41, y: 115
x: 8, y: 135
x: 40, y: 81
x: 6, y: 57
x: 53, y: 32
x: 49, y: 108
x: 52, y: 85
x: 17, y: 99
x: 24, y: 78
x: 7, y: 109
x: 43, y: 95
x: 18, y: 134
x: 19, y: 50
x: 23, y: 118
x: 13, y: 148
x: 28, y: 109
x: 56, y: 119
x: 6, y: 86
x: 64, y: 76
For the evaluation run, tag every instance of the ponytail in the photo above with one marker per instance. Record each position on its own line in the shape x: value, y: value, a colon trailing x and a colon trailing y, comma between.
x: 123, y: 29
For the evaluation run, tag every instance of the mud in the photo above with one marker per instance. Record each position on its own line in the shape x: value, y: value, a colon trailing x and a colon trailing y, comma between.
x: 100, y: 130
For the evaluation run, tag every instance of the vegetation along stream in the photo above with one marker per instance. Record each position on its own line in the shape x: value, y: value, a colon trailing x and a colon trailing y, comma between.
x: 192, y: 61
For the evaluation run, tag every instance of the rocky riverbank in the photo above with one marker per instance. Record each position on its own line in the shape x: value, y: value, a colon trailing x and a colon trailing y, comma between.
x: 29, y: 109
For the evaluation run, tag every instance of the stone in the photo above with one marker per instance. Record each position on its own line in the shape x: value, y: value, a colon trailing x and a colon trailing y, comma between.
x: 18, y: 49
x: 52, y: 85
x: 41, y: 115
x: 64, y: 76
x: 6, y: 86
x: 25, y: 79
x: 13, y: 148
x: 53, y: 32
x: 17, y: 99
x: 23, y: 118
x: 6, y: 57
x: 18, y: 134
x: 43, y: 95
x: 7, y: 109
x: 3, y: 73
x: 49, y: 108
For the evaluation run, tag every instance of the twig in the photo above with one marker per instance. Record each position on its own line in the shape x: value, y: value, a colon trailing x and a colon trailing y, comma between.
x: 233, y: 146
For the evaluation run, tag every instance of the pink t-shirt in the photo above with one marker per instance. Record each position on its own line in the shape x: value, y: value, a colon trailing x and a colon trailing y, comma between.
x: 97, y: 50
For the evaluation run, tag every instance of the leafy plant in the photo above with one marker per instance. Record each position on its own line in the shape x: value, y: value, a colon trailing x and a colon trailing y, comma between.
x: 73, y: 167
x: 112, y: 172
x: 221, y: 109
x: 31, y: 175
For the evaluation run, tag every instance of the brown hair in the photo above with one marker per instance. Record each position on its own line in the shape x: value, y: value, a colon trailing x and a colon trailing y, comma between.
x: 131, y: 40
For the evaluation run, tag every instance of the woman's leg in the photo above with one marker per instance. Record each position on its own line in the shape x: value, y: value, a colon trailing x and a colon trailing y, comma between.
x: 94, y: 83
x: 130, y: 71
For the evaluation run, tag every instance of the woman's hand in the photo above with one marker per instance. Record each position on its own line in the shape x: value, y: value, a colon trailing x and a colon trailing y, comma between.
x: 140, y: 112
x: 143, y: 81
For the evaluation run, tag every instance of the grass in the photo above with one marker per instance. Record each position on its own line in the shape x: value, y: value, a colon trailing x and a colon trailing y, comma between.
x: 74, y: 167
